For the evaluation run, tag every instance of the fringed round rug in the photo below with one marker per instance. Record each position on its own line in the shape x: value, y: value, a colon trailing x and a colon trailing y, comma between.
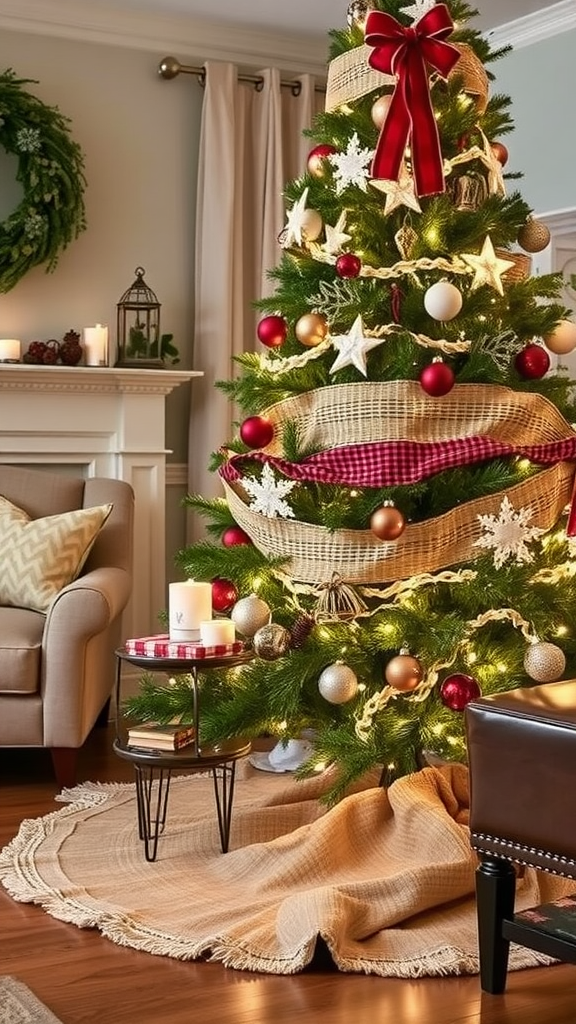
x: 385, y: 878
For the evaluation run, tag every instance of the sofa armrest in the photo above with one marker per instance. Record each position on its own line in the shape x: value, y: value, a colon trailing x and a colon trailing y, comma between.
x: 81, y: 633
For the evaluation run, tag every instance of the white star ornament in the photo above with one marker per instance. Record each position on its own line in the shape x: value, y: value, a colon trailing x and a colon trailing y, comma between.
x: 353, y: 347
x: 487, y: 266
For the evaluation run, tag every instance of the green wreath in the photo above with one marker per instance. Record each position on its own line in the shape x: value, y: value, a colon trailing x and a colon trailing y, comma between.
x: 51, y: 171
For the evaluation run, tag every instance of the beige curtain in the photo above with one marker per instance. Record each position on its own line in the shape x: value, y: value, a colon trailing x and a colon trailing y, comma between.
x: 251, y: 144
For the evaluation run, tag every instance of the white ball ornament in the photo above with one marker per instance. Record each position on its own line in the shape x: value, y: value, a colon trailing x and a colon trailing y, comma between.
x: 250, y: 614
x: 443, y: 301
x: 544, y: 662
x: 338, y: 683
x: 562, y: 339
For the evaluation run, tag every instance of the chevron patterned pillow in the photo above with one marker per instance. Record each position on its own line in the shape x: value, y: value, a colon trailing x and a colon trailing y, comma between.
x: 38, y: 557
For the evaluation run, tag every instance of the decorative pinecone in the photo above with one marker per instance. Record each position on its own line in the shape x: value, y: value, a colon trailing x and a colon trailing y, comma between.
x: 70, y: 348
x: 301, y: 630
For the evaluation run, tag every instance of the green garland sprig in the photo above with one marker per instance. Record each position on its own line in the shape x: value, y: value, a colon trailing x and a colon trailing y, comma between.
x: 51, y: 171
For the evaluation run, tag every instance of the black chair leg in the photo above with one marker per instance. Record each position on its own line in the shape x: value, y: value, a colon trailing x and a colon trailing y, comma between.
x: 495, y: 891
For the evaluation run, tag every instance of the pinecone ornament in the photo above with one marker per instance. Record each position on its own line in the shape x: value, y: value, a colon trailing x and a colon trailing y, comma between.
x: 301, y: 630
x: 71, y: 349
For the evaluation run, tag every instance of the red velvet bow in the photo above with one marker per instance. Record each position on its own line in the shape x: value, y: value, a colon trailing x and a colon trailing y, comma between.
x: 406, y: 52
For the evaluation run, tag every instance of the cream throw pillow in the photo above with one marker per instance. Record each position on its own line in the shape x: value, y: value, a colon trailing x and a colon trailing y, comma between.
x: 38, y: 557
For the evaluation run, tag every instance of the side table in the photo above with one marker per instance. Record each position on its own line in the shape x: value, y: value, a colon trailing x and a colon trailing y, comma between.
x: 153, y: 769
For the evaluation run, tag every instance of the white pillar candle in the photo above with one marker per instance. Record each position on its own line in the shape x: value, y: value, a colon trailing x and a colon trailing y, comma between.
x: 217, y: 631
x: 9, y: 350
x: 96, y: 345
x: 189, y: 604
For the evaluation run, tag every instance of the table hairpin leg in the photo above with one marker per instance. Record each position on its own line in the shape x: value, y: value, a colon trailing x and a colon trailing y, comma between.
x: 223, y: 776
x: 151, y: 826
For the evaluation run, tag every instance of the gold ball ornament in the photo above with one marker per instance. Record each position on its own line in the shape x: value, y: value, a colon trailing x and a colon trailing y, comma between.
x: 250, y: 614
x: 562, y: 339
x: 311, y: 329
x: 544, y: 662
x: 312, y: 225
x: 272, y: 641
x: 387, y: 523
x: 380, y: 109
x: 533, y: 235
x: 338, y: 683
x: 403, y: 672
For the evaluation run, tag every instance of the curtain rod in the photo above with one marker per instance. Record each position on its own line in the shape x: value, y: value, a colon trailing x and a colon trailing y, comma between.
x: 170, y: 67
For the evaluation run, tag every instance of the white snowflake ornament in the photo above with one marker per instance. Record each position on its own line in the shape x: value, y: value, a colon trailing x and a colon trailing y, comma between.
x: 351, y: 167
x: 268, y: 494
x: 508, y: 534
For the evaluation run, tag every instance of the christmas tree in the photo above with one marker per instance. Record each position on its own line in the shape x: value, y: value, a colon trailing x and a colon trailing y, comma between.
x: 393, y: 538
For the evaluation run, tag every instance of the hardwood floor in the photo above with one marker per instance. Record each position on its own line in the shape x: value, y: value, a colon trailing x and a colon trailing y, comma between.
x: 85, y: 978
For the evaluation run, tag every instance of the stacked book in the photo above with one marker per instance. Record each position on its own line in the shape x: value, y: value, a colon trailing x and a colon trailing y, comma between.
x: 152, y: 736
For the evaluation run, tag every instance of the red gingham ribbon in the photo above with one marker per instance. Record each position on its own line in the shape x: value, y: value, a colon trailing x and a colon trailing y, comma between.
x: 390, y: 463
x: 406, y: 52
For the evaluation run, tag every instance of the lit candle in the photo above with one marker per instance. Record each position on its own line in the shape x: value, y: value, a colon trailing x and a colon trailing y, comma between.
x: 96, y: 345
x: 9, y: 350
x: 189, y: 604
x: 217, y: 631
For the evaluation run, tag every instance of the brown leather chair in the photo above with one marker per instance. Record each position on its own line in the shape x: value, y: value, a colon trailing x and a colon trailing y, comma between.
x: 522, y: 763
x: 57, y: 668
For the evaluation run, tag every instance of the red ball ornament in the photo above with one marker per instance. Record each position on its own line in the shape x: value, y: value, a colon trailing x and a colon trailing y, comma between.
x: 348, y: 265
x: 316, y: 162
x: 256, y: 432
x: 224, y: 594
x: 234, y: 536
x: 437, y: 379
x: 272, y: 331
x: 532, y: 362
x: 458, y: 690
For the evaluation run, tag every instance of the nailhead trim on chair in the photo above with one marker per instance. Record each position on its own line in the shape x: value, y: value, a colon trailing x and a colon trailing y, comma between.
x: 518, y: 848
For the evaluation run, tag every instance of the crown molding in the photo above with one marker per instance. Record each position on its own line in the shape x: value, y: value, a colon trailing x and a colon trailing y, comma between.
x: 191, y: 39
x: 534, y: 28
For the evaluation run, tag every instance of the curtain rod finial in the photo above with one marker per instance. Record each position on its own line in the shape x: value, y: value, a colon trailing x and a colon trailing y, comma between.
x: 169, y: 67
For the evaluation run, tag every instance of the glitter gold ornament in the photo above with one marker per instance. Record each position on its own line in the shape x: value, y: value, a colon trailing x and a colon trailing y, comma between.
x: 272, y: 641
x: 544, y: 662
x: 338, y: 683
x: 250, y: 614
x: 533, y: 236
x: 406, y: 239
x: 358, y: 11
x: 387, y: 523
x: 403, y: 672
x: 311, y: 329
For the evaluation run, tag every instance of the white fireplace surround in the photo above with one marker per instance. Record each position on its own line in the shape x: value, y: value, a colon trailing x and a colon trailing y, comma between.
x: 100, y: 421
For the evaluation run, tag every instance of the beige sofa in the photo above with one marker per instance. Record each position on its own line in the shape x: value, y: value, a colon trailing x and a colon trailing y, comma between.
x: 57, y: 666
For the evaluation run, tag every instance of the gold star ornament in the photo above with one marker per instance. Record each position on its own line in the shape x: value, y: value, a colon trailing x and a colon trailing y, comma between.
x: 487, y: 266
x: 398, y: 193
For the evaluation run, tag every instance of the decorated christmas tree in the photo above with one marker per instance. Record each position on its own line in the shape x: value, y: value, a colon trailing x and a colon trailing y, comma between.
x: 394, y: 533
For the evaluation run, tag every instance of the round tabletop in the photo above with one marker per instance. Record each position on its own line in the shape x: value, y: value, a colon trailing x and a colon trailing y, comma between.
x: 160, y: 664
x: 209, y: 755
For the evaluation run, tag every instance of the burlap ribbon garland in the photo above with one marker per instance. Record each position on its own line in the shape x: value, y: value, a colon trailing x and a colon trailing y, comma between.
x: 400, y: 410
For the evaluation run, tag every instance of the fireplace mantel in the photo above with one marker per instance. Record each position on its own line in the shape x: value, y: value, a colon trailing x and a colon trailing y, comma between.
x: 100, y: 421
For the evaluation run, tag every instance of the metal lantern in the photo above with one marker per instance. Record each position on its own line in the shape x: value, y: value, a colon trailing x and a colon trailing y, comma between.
x: 138, y: 326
